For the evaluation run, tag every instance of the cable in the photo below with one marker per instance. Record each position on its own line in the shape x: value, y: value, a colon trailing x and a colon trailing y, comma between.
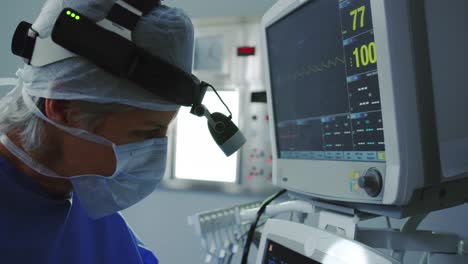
x: 216, y: 92
x: 229, y: 260
x: 251, y: 233
x: 246, y: 233
x: 242, y: 238
x: 389, y: 224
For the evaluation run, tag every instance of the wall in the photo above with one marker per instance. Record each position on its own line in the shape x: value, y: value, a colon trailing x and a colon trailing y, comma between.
x: 12, y: 12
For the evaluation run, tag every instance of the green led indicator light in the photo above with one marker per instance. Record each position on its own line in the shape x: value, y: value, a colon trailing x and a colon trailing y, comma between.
x: 73, y: 15
x: 69, y: 12
x: 77, y: 17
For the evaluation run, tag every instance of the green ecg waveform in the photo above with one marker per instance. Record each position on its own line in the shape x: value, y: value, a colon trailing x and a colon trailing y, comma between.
x: 308, y: 70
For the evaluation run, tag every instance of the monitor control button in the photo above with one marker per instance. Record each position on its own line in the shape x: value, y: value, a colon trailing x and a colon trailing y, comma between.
x: 371, y: 182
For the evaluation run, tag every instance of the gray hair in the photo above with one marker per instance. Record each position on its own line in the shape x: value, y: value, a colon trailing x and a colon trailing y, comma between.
x: 31, y: 129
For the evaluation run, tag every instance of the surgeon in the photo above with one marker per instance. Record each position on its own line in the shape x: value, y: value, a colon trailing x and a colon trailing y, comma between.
x: 79, y: 144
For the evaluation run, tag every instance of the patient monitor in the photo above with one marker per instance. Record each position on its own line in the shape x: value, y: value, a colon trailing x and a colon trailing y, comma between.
x: 353, y: 108
x: 288, y: 242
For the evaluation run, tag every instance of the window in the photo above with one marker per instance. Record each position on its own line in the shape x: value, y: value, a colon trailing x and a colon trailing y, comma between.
x: 197, y: 156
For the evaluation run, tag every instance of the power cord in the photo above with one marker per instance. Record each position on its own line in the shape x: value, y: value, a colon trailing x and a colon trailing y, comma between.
x: 229, y: 260
x: 253, y: 227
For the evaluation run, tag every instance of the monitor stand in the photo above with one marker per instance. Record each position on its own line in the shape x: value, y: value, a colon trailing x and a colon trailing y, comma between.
x: 436, y: 247
x: 221, y: 231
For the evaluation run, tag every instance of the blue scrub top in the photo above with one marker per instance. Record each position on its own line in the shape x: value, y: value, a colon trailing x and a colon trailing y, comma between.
x: 35, y: 228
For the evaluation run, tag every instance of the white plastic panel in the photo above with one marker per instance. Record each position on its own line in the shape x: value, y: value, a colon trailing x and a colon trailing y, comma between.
x: 318, y: 245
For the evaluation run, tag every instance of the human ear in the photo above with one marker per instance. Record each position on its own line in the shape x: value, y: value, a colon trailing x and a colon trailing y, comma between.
x: 58, y: 111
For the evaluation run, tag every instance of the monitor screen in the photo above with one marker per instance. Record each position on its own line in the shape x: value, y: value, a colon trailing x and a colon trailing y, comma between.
x: 278, y: 254
x: 324, y: 82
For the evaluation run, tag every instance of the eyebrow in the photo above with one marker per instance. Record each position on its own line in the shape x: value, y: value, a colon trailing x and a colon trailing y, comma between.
x: 156, y: 125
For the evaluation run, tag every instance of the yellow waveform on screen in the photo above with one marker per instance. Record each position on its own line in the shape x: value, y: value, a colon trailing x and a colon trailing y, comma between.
x: 323, y: 67
x: 308, y: 70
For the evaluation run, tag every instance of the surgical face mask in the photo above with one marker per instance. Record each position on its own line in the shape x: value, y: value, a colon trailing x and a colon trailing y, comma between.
x: 139, y: 168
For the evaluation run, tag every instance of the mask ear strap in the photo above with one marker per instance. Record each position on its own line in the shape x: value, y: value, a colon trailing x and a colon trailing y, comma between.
x: 26, y: 159
x: 73, y: 131
x: 8, y: 81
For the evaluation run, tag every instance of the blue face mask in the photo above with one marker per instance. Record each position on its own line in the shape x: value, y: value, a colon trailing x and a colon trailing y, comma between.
x: 139, y: 168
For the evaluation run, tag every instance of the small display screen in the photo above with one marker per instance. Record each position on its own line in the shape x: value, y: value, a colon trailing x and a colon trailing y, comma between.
x: 325, y: 87
x: 278, y: 254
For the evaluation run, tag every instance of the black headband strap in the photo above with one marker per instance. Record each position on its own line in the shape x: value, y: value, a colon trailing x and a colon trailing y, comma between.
x: 128, y: 19
x: 145, y: 6
x: 123, y: 17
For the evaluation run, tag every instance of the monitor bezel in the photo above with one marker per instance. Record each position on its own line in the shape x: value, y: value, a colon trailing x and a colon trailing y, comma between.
x: 402, y: 171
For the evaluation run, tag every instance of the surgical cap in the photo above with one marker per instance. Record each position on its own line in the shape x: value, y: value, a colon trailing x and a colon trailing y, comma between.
x: 165, y: 32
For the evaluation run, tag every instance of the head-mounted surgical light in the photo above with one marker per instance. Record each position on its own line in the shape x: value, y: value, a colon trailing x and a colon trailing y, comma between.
x: 108, y: 45
x: 225, y: 133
